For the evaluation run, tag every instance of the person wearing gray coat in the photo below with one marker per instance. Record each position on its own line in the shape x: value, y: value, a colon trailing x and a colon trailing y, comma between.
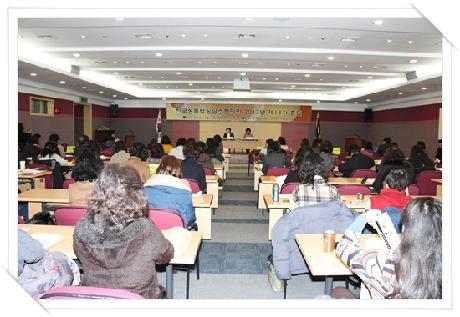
x: 287, y: 258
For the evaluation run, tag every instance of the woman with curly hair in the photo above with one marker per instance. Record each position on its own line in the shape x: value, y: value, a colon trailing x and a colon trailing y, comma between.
x: 392, y: 159
x: 313, y: 187
x: 117, y: 245
x: 411, y: 266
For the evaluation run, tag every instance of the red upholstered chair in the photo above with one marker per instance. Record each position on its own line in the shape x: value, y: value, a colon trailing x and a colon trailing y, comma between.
x: 67, y: 182
x: 413, y: 190
x: 425, y: 183
x: 361, y: 173
x: 277, y: 171
x: 353, y: 189
x: 106, y: 153
x: 69, y: 215
x: 194, y: 185
x: 87, y: 292
x: 207, y: 171
x: 252, y: 157
x: 288, y: 188
x: 166, y: 218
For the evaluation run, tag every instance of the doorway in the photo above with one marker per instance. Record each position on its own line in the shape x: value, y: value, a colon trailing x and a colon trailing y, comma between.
x: 82, y: 121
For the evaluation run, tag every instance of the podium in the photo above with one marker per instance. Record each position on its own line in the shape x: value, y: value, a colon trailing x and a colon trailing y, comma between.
x: 130, y: 139
x: 350, y: 141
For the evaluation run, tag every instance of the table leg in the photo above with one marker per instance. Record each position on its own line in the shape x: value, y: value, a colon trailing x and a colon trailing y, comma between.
x: 273, y: 216
x: 328, y: 285
x: 188, y: 283
x: 169, y: 281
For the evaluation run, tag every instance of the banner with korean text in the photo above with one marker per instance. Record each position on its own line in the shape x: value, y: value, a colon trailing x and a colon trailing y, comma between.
x: 238, y: 112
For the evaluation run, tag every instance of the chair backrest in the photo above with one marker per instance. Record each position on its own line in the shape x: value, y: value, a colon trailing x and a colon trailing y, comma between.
x: 288, y: 188
x: 194, y: 185
x: 67, y: 182
x: 353, y: 189
x: 87, y: 292
x: 361, y: 173
x: 277, y: 171
x: 106, y: 153
x: 207, y: 170
x: 166, y: 218
x: 425, y: 183
x: 252, y: 155
x: 69, y: 215
x: 413, y: 190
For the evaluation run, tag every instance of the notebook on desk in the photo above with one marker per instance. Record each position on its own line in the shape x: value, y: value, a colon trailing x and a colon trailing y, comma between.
x: 70, y: 149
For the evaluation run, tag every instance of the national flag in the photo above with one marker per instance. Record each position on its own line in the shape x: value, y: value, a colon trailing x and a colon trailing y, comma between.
x: 318, y: 127
x: 158, y: 124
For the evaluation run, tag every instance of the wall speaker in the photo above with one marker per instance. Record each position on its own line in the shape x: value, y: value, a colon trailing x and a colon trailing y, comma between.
x: 113, y: 110
x: 367, y: 115
x: 411, y: 75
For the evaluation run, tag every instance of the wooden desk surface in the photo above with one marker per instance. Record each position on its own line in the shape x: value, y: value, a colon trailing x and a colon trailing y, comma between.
x: 322, y: 263
x: 45, y: 195
x: 349, y: 181
x: 268, y: 179
x: 211, y: 178
x: 202, y: 201
x: 437, y: 181
x: 65, y: 245
x: 283, y: 203
x: 218, y: 166
x: 33, y: 175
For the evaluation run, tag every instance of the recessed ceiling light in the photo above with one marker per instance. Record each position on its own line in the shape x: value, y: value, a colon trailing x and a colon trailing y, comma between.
x: 158, y: 54
x: 205, y: 35
x: 370, y: 77
x: 143, y: 35
x: 190, y: 84
x: 306, y: 75
x: 375, y: 67
x: 77, y: 55
x: 114, y: 62
x: 410, y: 42
x: 331, y: 58
x: 368, y: 100
x: 378, y: 22
x: 125, y: 98
x: 424, y: 88
x: 280, y: 100
x: 249, y: 19
x: 178, y: 73
x: 114, y: 96
x: 345, y: 66
x: 289, y: 64
x: 389, y: 41
x: 162, y: 77
x: 84, y: 87
x: 321, y: 79
x: 276, y: 78
x: 413, y: 61
x: 116, y: 73
x: 83, y: 36
x: 62, y: 82
x: 287, y: 37
x: 141, y: 62
x: 101, y: 92
x: 400, y: 93
x: 360, y: 66
x: 33, y: 74
x: 317, y: 101
x: 245, y: 55
x: 163, y: 98
x: 184, y: 35
x: 292, y: 86
x: 214, y: 62
x: 243, y: 74
x: 263, y: 78
x: 120, y: 19
x: 126, y: 62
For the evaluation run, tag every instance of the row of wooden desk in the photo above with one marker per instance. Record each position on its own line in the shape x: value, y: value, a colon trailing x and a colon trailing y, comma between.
x: 65, y: 245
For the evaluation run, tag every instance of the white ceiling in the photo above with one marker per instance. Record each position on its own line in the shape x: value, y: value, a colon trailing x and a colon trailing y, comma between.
x: 200, y: 57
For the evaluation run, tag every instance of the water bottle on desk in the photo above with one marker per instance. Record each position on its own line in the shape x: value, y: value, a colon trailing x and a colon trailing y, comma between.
x: 276, y: 192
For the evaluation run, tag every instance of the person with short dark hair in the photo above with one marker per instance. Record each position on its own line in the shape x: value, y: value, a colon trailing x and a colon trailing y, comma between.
x: 316, y: 144
x: 219, y: 146
x: 394, y: 158
x: 190, y: 168
x: 167, y: 189
x: 51, y: 151
x: 325, y: 150
x: 248, y: 133
x: 213, y: 150
x: 82, y: 140
x: 355, y: 162
x: 438, y: 157
x: 395, y: 195
x: 32, y: 148
x: 368, y: 150
x: 411, y: 266
x: 87, y: 168
x: 166, y: 143
x: 177, y: 151
x: 384, y: 146
x: 116, y: 244
x: 313, y: 187
x: 120, y: 153
x: 156, y: 153
x: 420, y: 160
x: 283, y: 145
x: 203, y: 158
x: 293, y: 175
x: 274, y: 157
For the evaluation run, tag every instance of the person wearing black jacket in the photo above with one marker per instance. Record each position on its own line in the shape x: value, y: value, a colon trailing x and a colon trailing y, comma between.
x: 420, y: 160
x: 394, y: 158
x: 274, y: 157
x: 355, y: 162
x: 384, y: 146
x: 190, y: 168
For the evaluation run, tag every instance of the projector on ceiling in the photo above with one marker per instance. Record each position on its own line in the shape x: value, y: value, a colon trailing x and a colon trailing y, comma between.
x: 241, y: 84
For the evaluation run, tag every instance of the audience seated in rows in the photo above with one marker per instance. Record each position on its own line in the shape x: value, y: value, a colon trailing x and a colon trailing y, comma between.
x: 168, y: 189
x: 293, y: 175
x: 116, y: 244
x: 274, y: 157
x: 190, y: 168
x: 313, y: 187
x: 394, y: 158
x: 368, y: 150
x: 411, y: 267
x: 138, y: 156
x: 355, y: 162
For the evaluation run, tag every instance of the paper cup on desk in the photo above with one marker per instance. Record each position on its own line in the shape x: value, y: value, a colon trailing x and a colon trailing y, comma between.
x: 22, y: 166
x: 329, y: 241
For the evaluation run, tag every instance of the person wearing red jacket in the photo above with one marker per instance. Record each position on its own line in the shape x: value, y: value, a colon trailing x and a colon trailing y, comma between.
x: 395, y: 195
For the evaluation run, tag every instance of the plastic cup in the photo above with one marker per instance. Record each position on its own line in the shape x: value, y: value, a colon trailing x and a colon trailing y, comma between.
x: 22, y: 165
x: 329, y: 241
